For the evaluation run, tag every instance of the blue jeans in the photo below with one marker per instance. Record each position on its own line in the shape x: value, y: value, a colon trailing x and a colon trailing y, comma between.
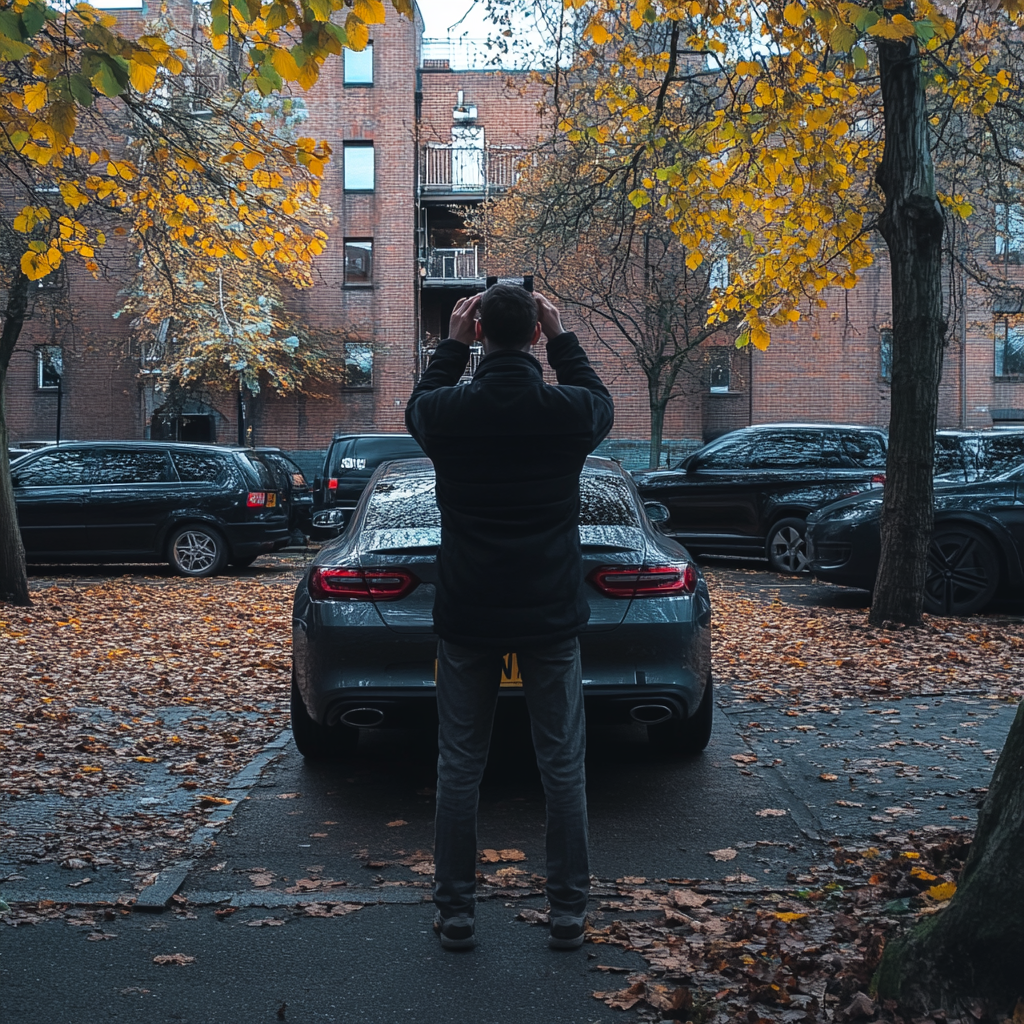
x: 467, y: 693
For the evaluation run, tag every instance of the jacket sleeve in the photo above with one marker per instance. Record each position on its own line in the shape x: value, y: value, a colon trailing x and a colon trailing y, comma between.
x: 572, y: 368
x: 443, y: 371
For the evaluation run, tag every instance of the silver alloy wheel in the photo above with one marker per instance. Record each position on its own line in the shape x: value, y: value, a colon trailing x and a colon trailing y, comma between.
x: 787, y: 550
x: 195, y: 552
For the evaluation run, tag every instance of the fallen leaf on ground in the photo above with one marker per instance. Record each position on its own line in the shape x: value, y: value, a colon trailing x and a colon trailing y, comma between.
x: 261, y: 879
x: 771, y: 812
x: 397, y: 822
x: 288, y: 796
x: 743, y: 758
x: 828, y: 777
x: 213, y: 801
x: 181, y: 959
x: 100, y: 936
x: 688, y: 898
x: 423, y: 867
x: 265, y: 922
x: 728, y: 853
x: 531, y: 916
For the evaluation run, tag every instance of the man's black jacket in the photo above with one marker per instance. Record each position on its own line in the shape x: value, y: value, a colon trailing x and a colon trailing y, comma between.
x: 508, y: 450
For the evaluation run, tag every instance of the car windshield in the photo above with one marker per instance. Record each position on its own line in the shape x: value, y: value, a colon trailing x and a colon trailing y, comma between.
x: 404, y: 503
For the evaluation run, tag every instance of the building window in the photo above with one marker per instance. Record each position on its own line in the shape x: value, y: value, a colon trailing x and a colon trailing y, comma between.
x: 358, y: 158
x: 718, y: 276
x: 359, y: 66
x: 49, y: 367
x: 1009, y: 354
x: 1010, y: 231
x: 358, y: 262
x: 885, y: 353
x: 719, y: 363
x: 358, y: 365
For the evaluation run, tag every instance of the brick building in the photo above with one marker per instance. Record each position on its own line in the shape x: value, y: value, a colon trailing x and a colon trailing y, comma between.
x: 415, y: 144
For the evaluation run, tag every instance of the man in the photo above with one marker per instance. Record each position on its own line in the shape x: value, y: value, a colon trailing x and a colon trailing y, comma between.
x: 508, y: 450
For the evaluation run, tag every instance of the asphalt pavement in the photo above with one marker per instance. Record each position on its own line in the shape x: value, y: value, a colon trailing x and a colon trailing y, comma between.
x: 310, y: 902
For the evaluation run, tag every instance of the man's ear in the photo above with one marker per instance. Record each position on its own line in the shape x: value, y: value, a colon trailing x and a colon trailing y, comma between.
x: 536, y: 335
x: 478, y: 331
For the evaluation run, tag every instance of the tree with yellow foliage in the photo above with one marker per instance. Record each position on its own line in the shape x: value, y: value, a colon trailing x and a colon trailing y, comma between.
x: 71, y: 83
x: 827, y: 121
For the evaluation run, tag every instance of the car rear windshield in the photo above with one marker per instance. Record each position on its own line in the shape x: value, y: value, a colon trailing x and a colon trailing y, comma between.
x: 978, y: 456
x: 266, y: 476
x: 203, y: 468
x: 367, y: 453
x: 864, y: 448
x: 408, y: 503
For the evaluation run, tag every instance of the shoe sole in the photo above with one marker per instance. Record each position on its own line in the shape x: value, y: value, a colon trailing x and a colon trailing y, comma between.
x: 573, y: 943
x: 447, y: 943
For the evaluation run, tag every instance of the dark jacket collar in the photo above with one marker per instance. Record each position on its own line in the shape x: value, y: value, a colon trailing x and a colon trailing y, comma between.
x: 509, y: 364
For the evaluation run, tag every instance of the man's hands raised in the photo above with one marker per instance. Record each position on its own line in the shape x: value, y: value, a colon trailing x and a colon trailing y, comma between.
x: 465, y: 317
x: 550, y: 319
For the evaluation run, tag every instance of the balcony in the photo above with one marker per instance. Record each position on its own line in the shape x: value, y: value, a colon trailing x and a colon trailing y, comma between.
x: 476, y: 353
x: 452, y: 267
x: 463, y: 170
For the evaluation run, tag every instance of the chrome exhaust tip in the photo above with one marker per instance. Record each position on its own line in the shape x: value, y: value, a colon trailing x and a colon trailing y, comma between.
x: 362, y: 718
x: 650, y: 714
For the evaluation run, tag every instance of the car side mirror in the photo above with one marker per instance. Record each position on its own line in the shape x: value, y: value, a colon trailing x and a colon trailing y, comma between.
x: 690, y: 464
x: 656, y: 512
x: 316, y: 483
x: 330, y: 517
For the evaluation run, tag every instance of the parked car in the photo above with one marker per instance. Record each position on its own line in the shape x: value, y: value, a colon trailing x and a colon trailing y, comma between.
x: 977, y: 545
x: 196, y: 506
x: 364, y: 649
x: 295, y: 492
x: 750, y: 491
x: 966, y: 455
x: 351, y: 460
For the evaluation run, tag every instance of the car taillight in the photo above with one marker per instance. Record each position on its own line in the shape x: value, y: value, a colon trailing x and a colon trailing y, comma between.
x: 644, y: 581
x: 256, y: 499
x: 878, y: 478
x: 336, y: 584
x: 332, y: 483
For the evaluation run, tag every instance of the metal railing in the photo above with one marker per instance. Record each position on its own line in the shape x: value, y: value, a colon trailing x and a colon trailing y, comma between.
x: 453, y: 264
x: 476, y: 353
x: 464, y: 169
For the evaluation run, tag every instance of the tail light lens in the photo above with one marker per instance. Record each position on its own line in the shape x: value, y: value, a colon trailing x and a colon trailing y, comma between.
x: 332, y: 483
x: 878, y: 478
x: 644, y: 581
x: 338, y: 584
x: 256, y: 499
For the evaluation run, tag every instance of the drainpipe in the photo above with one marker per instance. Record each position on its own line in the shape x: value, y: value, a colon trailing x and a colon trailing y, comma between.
x: 750, y: 385
x: 963, y: 347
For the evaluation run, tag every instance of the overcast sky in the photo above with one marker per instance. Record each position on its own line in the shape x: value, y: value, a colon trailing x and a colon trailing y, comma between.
x: 440, y: 15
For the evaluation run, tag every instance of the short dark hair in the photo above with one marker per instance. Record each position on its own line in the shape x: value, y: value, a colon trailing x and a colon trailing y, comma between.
x: 508, y: 315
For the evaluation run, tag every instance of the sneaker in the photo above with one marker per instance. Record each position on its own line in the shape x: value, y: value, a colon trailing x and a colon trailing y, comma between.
x: 566, y: 933
x: 455, y: 932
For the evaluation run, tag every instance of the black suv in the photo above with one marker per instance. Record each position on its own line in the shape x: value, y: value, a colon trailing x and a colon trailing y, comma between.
x: 195, y: 506
x: 750, y: 491
x: 350, y: 462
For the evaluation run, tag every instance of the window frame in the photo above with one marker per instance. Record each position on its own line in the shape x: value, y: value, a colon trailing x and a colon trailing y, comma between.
x: 1008, y: 243
x: 350, y: 146
x: 41, y: 358
x: 723, y: 357
x: 344, y: 73
x: 346, y: 283
x: 368, y: 347
x: 999, y: 371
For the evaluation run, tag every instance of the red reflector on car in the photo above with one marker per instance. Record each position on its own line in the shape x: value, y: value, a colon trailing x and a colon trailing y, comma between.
x: 338, y: 584
x: 878, y: 478
x: 256, y: 499
x: 644, y: 581
x: 332, y: 483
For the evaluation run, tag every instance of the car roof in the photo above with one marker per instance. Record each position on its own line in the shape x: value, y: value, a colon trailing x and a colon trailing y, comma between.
x: 595, y: 465
x: 356, y: 437
x: 183, y: 446
x: 760, y: 427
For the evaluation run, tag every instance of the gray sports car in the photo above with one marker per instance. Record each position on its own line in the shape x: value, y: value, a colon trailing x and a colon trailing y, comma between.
x: 363, y: 645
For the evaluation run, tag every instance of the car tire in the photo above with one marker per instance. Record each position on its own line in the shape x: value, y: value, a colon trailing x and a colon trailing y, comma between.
x: 318, y: 742
x: 963, y: 571
x: 197, y: 550
x: 689, y: 737
x: 244, y: 563
x: 786, y: 546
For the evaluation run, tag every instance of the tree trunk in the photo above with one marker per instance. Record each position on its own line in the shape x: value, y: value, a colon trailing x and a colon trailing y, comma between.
x: 657, y: 427
x: 13, y: 578
x: 970, y: 955
x: 912, y: 226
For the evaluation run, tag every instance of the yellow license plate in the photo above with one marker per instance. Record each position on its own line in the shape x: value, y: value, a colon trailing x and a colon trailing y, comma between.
x: 510, y: 676
x: 271, y: 500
